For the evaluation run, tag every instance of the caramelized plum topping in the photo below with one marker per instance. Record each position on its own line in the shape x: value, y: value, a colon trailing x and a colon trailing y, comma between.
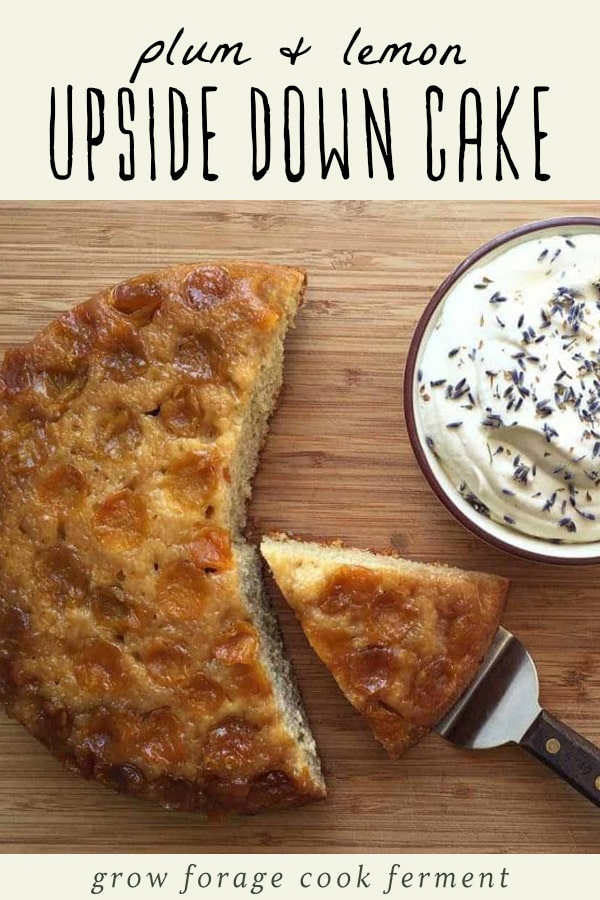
x: 184, y: 415
x: 119, y: 432
x: 168, y: 662
x: 126, y: 779
x: 181, y: 590
x: 112, y: 609
x: 123, y: 356
x: 139, y: 299
x: 8, y: 685
x: 238, y: 646
x: 100, y: 666
x: 162, y: 740
x: 193, y: 477
x: 211, y: 549
x: 204, y: 694
x: 200, y: 357
x: 62, y: 574
x: 121, y: 520
x: 206, y: 286
x: 53, y: 728
x: 372, y: 668
x: 62, y: 489
x: 178, y: 793
x: 271, y: 789
x: 231, y: 747
x: 14, y: 623
x: 432, y: 683
x: 350, y: 590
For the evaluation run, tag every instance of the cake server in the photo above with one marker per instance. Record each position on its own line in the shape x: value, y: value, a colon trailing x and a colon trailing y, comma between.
x: 501, y: 706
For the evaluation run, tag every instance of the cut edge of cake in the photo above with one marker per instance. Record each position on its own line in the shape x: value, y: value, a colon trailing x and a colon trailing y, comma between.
x: 338, y: 553
x: 253, y: 435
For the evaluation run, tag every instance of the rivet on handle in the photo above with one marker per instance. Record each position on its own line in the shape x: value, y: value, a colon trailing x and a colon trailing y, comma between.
x: 553, y: 746
x: 597, y: 783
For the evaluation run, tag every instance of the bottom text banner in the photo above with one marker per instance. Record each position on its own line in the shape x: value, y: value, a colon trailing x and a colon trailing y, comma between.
x: 327, y: 876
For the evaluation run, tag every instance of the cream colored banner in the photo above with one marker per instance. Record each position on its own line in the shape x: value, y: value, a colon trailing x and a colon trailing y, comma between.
x: 312, y: 100
x: 299, y: 877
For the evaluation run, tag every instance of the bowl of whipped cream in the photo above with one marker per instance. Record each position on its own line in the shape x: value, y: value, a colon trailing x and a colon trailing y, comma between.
x: 502, y: 391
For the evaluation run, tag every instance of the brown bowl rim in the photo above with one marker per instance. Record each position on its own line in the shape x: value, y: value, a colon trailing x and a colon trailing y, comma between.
x: 410, y: 372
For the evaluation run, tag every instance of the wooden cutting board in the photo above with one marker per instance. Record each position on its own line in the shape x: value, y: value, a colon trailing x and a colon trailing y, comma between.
x: 337, y: 464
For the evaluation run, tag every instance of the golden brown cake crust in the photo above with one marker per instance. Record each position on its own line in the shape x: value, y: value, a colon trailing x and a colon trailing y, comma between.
x: 403, y: 640
x: 126, y: 645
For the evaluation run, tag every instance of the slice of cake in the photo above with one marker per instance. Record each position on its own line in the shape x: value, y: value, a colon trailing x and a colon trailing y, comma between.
x: 402, y: 639
x: 135, y: 640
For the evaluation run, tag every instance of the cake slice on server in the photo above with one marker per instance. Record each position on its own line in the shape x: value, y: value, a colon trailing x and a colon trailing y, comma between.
x: 402, y: 639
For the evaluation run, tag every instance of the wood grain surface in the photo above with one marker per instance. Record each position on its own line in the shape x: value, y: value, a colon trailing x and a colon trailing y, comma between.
x: 337, y: 464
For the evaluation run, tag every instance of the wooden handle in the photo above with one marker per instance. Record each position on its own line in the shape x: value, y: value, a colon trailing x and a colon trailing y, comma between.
x: 570, y: 755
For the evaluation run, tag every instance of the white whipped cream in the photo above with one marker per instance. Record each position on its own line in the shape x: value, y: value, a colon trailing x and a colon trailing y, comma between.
x: 509, y: 387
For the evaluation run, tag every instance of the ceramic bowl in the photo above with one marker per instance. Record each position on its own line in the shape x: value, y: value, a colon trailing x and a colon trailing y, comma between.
x: 494, y: 533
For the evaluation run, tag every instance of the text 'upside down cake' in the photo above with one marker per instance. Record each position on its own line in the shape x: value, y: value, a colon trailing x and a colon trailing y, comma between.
x: 402, y: 639
x: 134, y: 640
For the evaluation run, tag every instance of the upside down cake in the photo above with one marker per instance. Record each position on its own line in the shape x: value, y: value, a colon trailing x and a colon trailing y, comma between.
x: 134, y: 641
x: 402, y: 639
